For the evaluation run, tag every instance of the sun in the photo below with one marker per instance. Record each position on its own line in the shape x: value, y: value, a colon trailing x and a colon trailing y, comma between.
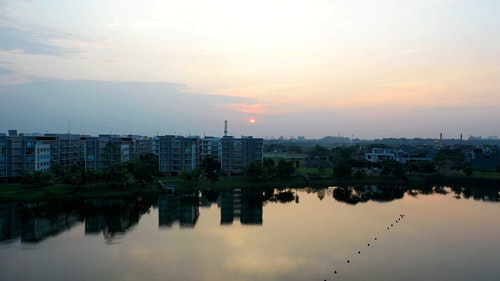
x: 252, y: 120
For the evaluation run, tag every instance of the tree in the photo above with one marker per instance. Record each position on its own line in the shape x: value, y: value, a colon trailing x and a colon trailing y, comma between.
x: 285, y: 168
x: 37, y: 178
x: 392, y: 167
x: 342, y: 170
x: 190, y: 178
x: 144, y: 168
x: 211, y: 169
x: 454, y: 155
x: 421, y: 166
x: 343, y: 153
x: 254, y: 170
x: 269, y: 168
x: 319, y: 150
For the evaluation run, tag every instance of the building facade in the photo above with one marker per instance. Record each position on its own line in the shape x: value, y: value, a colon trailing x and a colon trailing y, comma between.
x: 379, y: 154
x: 238, y: 153
x: 39, y: 152
x: 178, y: 153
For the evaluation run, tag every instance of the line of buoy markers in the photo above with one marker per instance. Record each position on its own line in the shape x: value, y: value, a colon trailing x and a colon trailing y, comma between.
x: 336, y: 272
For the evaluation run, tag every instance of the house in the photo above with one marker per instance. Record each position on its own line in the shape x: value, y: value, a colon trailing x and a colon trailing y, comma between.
x: 486, y: 158
x: 379, y: 154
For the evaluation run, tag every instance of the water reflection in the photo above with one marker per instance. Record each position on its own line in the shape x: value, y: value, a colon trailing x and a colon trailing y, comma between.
x: 34, y: 222
x: 113, y: 217
x: 181, y: 208
x: 361, y: 194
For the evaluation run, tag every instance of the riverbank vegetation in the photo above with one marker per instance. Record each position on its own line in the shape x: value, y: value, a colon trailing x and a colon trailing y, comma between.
x: 338, y: 167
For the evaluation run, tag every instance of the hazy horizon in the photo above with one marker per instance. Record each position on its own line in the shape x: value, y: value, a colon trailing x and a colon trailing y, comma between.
x: 362, y: 69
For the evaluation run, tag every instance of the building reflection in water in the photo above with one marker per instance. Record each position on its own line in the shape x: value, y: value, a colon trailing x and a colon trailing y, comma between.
x: 178, y: 208
x: 111, y: 216
x: 243, y: 204
x: 39, y: 228
x: 10, y: 221
x: 33, y: 222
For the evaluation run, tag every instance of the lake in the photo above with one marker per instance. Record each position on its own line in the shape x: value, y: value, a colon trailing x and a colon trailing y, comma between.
x: 362, y: 233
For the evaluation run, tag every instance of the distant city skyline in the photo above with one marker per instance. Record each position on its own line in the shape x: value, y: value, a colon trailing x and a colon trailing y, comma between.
x: 298, y: 137
x: 363, y: 69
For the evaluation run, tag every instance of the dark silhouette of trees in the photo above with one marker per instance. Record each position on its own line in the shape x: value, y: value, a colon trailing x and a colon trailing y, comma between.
x: 211, y: 169
x: 254, y: 170
x: 285, y: 168
x: 421, y: 166
x: 392, y: 168
x: 190, y: 178
x: 319, y: 150
x: 269, y: 168
x: 144, y: 168
x: 37, y: 178
x: 342, y: 169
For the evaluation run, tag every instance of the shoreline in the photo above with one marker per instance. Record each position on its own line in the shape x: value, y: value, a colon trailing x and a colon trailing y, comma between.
x: 18, y: 192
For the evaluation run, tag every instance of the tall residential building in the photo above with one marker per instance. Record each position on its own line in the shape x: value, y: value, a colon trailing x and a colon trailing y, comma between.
x: 40, y: 152
x: 64, y: 148
x: 90, y: 152
x: 115, y: 149
x: 177, y: 153
x: 20, y: 153
x: 11, y: 155
x: 211, y: 147
x: 238, y: 153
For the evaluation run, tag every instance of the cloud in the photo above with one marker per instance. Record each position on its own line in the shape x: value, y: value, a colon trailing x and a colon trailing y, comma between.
x: 256, y: 108
x: 96, y: 106
x: 20, y: 37
x: 38, y: 40
x: 4, y: 71
x: 9, y: 77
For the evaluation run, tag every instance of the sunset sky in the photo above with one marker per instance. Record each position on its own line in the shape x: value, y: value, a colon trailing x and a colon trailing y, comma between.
x: 368, y: 69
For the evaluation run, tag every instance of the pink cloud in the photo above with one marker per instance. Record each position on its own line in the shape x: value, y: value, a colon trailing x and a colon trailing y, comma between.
x: 257, y: 108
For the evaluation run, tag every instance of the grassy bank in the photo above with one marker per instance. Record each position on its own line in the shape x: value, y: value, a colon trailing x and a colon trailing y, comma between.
x: 17, y: 192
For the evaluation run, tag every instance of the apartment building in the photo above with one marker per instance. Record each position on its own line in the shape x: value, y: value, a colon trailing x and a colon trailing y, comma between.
x: 211, y: 147
x: 178, y: 153
x: 20, y: 153
x: 37, y: 152
x: 238, y: 153
x: 90, y: 152
x: 64, y: 148
x: 11, y: 155
x: 114, y: 149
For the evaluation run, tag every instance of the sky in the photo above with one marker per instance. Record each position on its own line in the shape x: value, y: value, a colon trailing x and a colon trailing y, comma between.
x: 360, y: 68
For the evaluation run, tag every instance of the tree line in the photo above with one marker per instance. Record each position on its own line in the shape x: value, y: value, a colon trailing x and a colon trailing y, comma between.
x: 140, y: 171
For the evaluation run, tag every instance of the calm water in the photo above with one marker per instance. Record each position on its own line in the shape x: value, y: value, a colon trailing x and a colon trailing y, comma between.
x: 297, y: 234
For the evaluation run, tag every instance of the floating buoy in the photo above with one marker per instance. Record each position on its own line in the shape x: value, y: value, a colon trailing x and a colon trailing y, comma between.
x: 348, y: 261
x: 375, y: 238
x: 335, y: 272
x: 359, y: 252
